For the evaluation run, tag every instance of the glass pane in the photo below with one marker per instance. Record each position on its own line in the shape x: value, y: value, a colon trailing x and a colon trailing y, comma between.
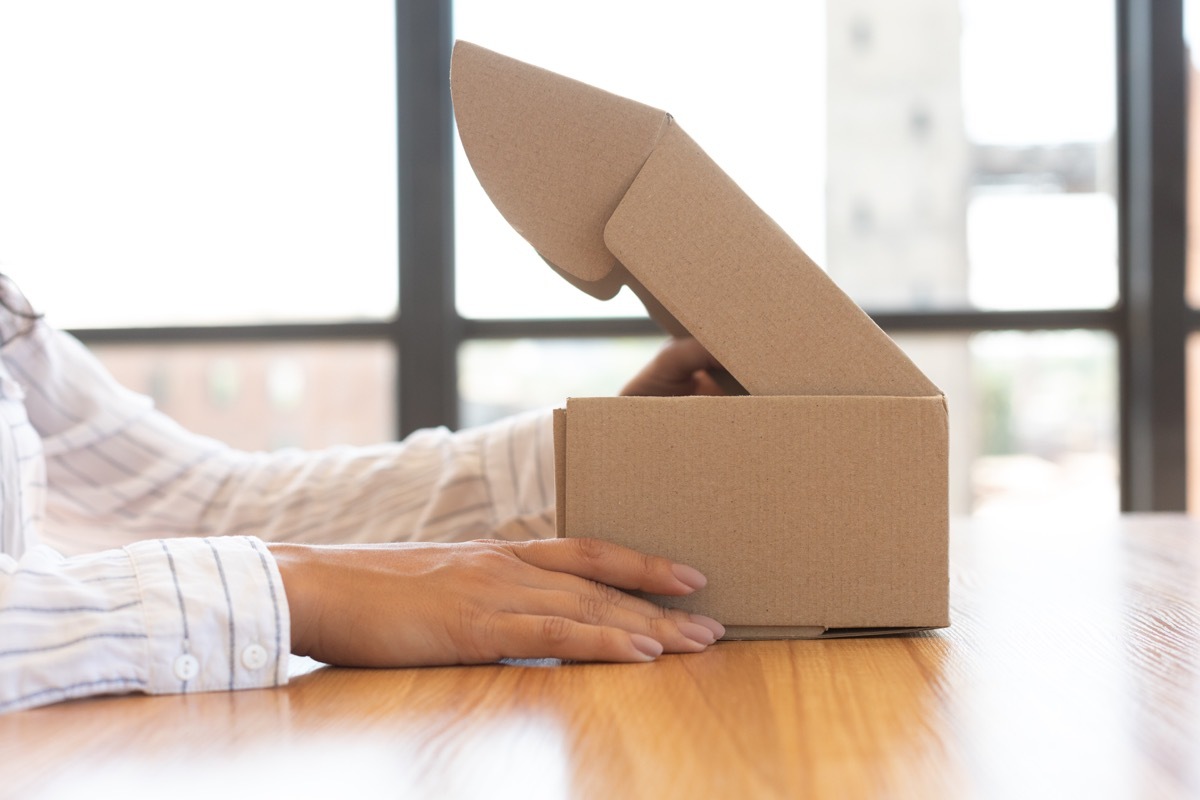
x: 901, y: 144
x: 957, y: 174
x: 1033, y: 419
x: 751, y: 108
x: 1052, y: 262
x: 267, y: 396
x: 219, y: 162
x: 505, y: 376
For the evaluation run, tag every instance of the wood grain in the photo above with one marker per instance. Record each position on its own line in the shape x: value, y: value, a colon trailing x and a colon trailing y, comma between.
x: 1071, y: 670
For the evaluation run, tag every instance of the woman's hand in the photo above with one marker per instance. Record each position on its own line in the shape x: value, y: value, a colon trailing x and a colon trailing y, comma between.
x: 682, y: 367
x: 477, y: 602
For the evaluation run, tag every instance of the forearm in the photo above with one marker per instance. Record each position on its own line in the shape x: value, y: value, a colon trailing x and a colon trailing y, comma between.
x: 495, y: 481
x: 160, y: 480
x: 118, y: 472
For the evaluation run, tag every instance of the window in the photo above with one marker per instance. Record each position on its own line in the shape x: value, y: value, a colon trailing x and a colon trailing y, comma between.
x: 226, y: 166
x: 288, y: 196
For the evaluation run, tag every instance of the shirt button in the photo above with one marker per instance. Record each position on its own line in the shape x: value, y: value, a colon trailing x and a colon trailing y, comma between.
x: 254, y: 656
x: 186, y: 667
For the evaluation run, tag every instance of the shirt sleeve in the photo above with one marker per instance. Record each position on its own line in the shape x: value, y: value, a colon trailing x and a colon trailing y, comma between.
x: 119, y: 471
x: 495, y: 481
x: 159, y: 616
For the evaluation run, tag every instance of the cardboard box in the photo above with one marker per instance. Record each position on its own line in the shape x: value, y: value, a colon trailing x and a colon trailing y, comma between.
x: 817, y: 503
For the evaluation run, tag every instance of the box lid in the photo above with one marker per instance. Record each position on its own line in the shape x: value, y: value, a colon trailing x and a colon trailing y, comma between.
x: 612, y: 192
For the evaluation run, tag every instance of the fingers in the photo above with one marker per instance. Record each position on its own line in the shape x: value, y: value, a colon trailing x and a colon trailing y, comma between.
x: 612, y: 564
x: 531, y: 636
x: 677, y: 631
x: 705, y: 385
x: 574, y: 579
x: 679, y: 368
x: 685, y: 356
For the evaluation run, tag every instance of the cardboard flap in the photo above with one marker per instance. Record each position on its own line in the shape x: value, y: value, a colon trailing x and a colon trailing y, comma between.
x: 554, y: 155
x: 744, y: 289
x: 610, y: 191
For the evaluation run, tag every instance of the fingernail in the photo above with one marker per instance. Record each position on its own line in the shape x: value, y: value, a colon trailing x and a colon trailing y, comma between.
x: 718, y: 630
x: 648, y: 647
x: 688, y: 576
x: 697, y: 633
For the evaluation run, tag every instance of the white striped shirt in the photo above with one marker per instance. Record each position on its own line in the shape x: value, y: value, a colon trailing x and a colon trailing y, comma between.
x: 131, y: 551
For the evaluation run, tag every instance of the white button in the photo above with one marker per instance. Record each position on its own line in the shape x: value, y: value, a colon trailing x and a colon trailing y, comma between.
x: 254, y: 656
x: 186, y: 667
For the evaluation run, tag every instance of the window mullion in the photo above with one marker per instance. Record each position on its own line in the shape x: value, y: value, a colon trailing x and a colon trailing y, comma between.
x: 428, y: 329
x: 1152, y: 87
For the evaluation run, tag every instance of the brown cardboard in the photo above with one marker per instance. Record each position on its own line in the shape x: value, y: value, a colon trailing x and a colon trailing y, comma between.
x: 817, y: 505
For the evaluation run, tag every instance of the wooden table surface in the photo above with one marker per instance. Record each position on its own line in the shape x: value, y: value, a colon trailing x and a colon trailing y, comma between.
x: 1070, y: 671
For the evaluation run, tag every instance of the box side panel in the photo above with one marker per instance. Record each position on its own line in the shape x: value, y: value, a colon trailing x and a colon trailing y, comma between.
x: 734, y: 278
x: 802, y: 511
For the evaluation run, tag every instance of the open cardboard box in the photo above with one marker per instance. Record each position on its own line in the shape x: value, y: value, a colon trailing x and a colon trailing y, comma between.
x: 816, y: 504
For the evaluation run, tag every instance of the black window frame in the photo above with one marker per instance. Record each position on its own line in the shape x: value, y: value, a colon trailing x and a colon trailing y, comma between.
x: 1150, y: 323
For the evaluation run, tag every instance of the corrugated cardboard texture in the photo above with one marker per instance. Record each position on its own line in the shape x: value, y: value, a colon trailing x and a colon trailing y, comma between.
x: 802, y: 511
x: 562, y: 160
x: 734, y: 279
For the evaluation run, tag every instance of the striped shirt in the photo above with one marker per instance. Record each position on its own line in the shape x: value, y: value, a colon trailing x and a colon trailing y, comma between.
x: 131, y: 550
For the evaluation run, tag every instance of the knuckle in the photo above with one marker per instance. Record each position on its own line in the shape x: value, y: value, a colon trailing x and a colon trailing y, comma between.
x: 556, y: 630
x: 594, y: 609
x: 675, y: 614
x: 475, y: 637
x: 606, y: 594
x: 658, y: 628
x: 497, y: 544
x: 490, y: 548
x: 470, y: 618
x: 592, y: 549
x: 665, y: 626
x: 493, y: 562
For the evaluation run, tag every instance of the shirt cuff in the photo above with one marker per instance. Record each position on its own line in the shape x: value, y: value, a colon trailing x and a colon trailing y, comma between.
x: 216, y: 614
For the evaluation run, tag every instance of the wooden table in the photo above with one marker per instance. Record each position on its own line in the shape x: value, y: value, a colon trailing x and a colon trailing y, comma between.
x: 1070, y: 671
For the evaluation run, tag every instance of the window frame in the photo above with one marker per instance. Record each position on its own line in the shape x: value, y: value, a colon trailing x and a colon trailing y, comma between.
x: 1150, y: 322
